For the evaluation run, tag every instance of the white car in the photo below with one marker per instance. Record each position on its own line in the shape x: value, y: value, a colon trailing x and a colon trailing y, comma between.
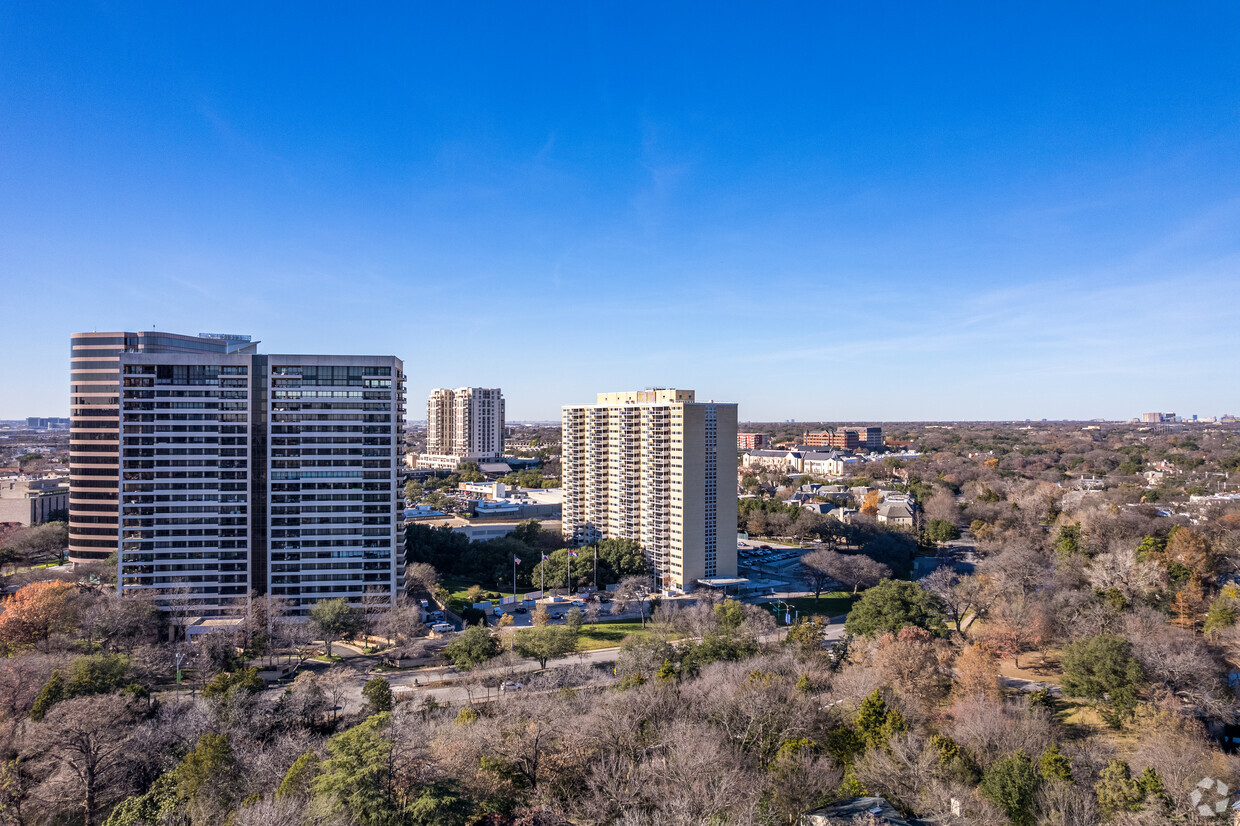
x: 510, y: 686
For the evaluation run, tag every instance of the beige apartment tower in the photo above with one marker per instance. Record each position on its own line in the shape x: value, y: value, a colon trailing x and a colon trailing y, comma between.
x: 658, y: 467
x: 465, y: 424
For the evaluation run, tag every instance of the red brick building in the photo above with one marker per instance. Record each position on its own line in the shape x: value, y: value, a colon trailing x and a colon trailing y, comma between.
x: 846, y: 438
x: 752, y: 441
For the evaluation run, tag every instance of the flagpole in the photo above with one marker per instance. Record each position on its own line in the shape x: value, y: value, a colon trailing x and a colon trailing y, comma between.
x: 514, y: 577
x: 596, y: 566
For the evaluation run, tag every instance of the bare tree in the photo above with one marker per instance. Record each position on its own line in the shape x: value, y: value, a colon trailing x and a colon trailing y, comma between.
x: 335, y: 682
x: 961, y: 596
x: 85, y: 737
x: 633, y: 591
x: 1119, y: 569
x: 376, y: 604
x: 422, y: 578
x: 857, y: 570
x: 813, y: 570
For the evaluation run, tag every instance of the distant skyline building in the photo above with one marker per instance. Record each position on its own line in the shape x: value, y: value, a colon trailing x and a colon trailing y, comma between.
x: 658, y: 467
x: 465, y: 424
x: 244, y: 473
x: 1158, y: 418
x: 47, y: 423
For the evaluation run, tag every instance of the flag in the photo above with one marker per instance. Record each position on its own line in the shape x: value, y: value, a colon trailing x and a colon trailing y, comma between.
x: 572, y: 553
x: 787, y: 618
x: 516, y: 561
x: 545, y: 556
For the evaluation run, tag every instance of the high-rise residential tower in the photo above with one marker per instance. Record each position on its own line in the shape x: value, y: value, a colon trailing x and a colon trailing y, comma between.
x: 463, y: 425
x: 94, y: 427
x: 658, y: 467
x: 187, y: 488
x: 244, y: 473
x: 335, y: 443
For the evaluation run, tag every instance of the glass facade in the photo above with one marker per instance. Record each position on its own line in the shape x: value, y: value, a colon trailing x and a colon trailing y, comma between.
x: 334, y: 442
x: 185, y: 503
x: 94, y: 419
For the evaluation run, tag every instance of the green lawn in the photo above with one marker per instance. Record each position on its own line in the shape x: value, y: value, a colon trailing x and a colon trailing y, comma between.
x: 457, y: 588
x: 829, y: 605
x: 609, y: 634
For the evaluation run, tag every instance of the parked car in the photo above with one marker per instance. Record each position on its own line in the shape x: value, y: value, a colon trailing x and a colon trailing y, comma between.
x: 442, y: 627
x: 519, y: 609
x: 510, y: 686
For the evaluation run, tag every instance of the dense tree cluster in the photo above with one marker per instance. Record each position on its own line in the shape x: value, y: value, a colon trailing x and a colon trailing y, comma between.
x: 491, y: 560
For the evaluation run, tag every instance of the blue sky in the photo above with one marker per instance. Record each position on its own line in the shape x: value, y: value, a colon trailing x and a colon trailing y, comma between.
x: 827, y: 211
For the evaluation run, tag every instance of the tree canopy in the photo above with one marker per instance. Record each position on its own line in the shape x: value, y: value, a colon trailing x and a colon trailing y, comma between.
x: 892, y: 605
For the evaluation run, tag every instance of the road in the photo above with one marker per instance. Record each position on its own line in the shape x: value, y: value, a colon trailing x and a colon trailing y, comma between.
x: 444, y: 684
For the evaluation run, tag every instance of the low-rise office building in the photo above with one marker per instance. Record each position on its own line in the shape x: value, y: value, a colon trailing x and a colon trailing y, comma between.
x: 33, y: 499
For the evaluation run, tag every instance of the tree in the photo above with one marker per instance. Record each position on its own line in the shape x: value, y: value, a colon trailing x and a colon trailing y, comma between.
x: 87, y: 737
x: 36, y: 611
x: 545, y: 643
x: 1052, y: 765
x: 960, y: 596
x: 869, y: 505
x: 1011, y: 630
x: 1224, y: 611
x: 977, y: 673
x: 301, y: 774
x: 938, y: 531
x: 890, y: 606
x: 875, y: 722
x: 1117, y: 791
x: 475, y: 645
x: 422, y: 578
x: 358, y: 773
x: 378, y: 695
x: 618, y: 558
x: 1068, y: 540
x: 241, y: 681
x: 204, y: 781
x: 808, y: 635
x: 1103, y: 669
x: 1123, y: 571
x: 1188, y: 605
x: 1188, y: 553
x: 335, y: 618
x: 813, y: 571
x: 1012, y: 785
x: 915, y: 664
x: 50, y: 539
x: 849, y: 570
x: 633, y: 590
